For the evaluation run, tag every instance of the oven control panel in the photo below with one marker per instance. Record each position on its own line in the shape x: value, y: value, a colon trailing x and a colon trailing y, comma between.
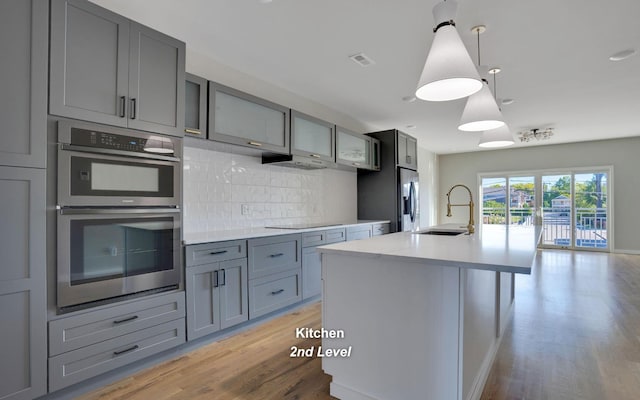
x: 103, y: 140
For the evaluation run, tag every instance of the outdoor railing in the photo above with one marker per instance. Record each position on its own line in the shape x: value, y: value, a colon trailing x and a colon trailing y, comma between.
x: 590, y: 224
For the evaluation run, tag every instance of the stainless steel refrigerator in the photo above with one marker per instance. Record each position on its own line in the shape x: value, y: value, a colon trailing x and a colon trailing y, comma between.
x: 393, y: 192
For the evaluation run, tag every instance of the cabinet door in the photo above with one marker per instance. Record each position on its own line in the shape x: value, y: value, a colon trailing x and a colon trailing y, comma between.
x: 402, y: 149
x: 156, y: 81
x: 89, y: 62
x: 311, y: 272
x: 195, y: 106
x: 412, y: 152
x: 203, y: 292
x: 23, y: 341
x: 375, y: 154
x: 242, y: 119
x: 23, y: 104
x: 312, y: 137
x: 353, y: 149
x: 234, y: 307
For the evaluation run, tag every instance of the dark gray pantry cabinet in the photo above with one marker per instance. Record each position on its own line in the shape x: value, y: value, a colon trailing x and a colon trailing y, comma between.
x: 108, y: 69
x: 23, y: 340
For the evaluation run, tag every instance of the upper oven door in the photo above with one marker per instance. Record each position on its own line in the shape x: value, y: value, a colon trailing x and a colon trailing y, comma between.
x: 92, y: 179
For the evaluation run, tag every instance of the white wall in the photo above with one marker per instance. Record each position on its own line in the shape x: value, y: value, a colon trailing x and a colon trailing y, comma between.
x: 428, y: 171
x: 217, y: 184
x: 622, y: 154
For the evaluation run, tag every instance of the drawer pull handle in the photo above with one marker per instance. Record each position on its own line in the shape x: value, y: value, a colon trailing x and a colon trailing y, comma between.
x: 276, y: 255
x: 277, y: 292
x: 314, y: 155
x: 215, y: 253
x: 192, y: 131
x: 120, y: 321
x: 132, y: 348
x: 255, y: 144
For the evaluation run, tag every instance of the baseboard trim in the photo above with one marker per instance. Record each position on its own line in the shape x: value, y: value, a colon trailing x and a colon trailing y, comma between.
x: 622, y: 251
x: 346, y: 393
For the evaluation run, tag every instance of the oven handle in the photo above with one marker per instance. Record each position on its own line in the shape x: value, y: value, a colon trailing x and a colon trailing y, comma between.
x: 80, y: 211
x: 86, y: 149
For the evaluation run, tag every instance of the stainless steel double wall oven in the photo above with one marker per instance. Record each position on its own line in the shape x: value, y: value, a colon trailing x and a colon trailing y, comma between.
x: 118, y: 220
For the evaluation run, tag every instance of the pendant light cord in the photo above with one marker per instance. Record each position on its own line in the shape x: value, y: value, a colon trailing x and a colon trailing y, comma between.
x: 478, y: 34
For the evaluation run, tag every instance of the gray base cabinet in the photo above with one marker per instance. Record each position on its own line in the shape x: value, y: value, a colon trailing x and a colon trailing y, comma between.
x: 92, y: 342
x: 275, y: 273
x: 107, y: 69
x: 312, y: 261
x: 359, y: 232
x: 216, y: 297
x: 23, y: 341
x: 216, y: 285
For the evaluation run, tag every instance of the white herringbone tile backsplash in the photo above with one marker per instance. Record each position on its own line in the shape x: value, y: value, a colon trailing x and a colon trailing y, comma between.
x: 217, y: 184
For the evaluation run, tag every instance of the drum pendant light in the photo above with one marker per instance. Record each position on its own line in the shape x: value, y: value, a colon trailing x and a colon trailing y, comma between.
x: 449, y: 72
x: 481, y: 112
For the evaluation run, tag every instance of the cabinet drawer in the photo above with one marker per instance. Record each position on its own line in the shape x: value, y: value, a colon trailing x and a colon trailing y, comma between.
x: 273, y: 254
x: 335, y: 236
x: 358, y: 232
x: 274, y: 292
x: 86, y: 329
x: 314, y: 238
x: 213, y: 252
x: 380, y: 229
x: 78, y: 365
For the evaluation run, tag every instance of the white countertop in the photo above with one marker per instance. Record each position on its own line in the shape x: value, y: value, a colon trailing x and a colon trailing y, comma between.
x: 493, y: 247
x: 248, y: 233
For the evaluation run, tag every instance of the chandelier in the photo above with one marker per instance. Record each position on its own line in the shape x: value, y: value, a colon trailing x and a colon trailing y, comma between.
x: 535, y: 133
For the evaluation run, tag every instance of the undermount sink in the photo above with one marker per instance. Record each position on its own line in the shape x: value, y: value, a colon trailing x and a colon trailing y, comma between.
x: 441, y: 232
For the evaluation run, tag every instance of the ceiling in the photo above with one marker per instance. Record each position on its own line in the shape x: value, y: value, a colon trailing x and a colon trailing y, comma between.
x: 553, y: 55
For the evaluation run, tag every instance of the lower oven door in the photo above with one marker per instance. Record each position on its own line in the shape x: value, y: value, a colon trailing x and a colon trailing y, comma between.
x: 105, y: 253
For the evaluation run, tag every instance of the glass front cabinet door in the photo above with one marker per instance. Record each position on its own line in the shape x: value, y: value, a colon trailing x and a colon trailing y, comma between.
x: 195, y: 106
x: 312, y: 137
x: 239, y: 118
x: 353, y: 149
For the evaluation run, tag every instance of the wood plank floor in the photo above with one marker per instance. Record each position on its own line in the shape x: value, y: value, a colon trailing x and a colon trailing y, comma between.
x: 575, y: 335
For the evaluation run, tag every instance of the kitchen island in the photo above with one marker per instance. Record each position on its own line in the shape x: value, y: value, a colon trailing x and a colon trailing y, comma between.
x: 421, y: 315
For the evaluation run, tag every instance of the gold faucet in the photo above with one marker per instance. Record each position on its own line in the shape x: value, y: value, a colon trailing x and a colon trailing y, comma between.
x: 470, y: 227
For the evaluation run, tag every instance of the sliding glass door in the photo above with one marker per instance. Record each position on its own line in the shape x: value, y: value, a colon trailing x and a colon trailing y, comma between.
x: 572, y: 206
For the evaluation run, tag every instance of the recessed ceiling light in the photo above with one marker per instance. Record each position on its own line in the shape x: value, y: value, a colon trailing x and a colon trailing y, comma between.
x: 622, y: 55
x: 495, y: 70
x: 506, y: 102
x: 409, y: 99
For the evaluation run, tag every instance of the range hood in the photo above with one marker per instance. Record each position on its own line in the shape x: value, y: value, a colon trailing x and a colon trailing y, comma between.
x: 291, y: 161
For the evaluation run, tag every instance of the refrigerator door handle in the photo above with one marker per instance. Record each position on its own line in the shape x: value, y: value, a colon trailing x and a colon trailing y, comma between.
x: 412, y: 201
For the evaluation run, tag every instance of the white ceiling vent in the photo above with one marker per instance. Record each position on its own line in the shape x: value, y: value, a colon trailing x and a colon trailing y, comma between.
x: 362, y: 59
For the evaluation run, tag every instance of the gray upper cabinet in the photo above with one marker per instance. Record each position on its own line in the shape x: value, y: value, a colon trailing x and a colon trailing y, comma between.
x: 195, y: 106
x: 23, y: 104
x: 407, y: 151
x: 312, y: 137
x: 375, y: 154
x: 353, y: 149
x: 23, y: 341
x: 239, y: 118
x: 156, y: 81
x: 107, y: 69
